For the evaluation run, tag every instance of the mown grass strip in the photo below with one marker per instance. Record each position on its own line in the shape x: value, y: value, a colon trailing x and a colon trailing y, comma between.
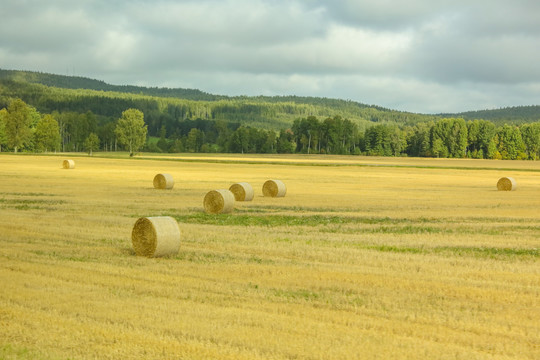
x: 332, y: 164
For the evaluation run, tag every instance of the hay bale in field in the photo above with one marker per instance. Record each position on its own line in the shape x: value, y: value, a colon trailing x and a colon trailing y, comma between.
x: 156, y: 236
x: 163, y: 181
x: 219, y: 202
x: 274, y: 188
x: 242, y: 191
x: 506, y: 184
x: 68, y: 164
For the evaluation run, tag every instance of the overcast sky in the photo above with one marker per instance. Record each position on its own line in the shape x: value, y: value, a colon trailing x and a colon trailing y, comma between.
x: 425, y: 56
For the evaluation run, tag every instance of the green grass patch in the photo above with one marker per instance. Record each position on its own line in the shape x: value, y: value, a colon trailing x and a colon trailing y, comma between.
x: 64, y: 257
x: 205, y: 257
x: 479, y: 252
x: 30, y: 204
x: 10, y: 351
x: 279, y: 220
x: 299, y: 294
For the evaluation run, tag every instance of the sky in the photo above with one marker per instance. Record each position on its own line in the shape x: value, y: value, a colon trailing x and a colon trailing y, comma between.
x: 422, y: 56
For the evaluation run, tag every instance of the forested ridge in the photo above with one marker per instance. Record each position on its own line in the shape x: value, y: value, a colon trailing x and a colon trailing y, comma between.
x: 87, y: 113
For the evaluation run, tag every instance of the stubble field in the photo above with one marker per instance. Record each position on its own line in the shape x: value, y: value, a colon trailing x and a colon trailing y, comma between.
x: 366, y: 258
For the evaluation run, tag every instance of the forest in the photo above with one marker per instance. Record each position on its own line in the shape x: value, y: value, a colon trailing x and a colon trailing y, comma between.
x: 77, y: 114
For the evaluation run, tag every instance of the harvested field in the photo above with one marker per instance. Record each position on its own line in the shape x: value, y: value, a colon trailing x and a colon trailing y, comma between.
x: 379, y: 258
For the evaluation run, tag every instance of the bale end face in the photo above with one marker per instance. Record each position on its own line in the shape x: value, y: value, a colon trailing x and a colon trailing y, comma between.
x: 156, y: 236
x: 506, y: 184
x: 68, y: 164
x: 163, y: 181
x: 242, y: 191
x: 219, y: 202
x: 274, y: 188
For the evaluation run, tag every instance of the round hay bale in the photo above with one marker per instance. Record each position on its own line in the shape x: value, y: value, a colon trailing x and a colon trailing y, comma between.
x: 242, y: 191
x: 68, y: 164
x: 163, y: 181
x: 274, y: 188
x: 156, y: 236
x: 506, y: 184
x: 219, y: 202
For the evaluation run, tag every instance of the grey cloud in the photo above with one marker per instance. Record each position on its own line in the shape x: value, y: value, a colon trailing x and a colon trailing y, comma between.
x: 418, y: 55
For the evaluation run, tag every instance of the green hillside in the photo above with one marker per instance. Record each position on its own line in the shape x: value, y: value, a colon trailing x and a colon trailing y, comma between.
x: 508, y: 115
x: 48, y: 93
x: 86, y: 113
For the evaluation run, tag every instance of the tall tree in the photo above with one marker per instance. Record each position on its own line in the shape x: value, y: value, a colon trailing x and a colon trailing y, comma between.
x: 531, y: 137
x: 91, y: 143
x: 18, y: 122
x: 3, y: 136
x: 131, y: 130
x: 510, y: 143
x: 194, y: 140
x: 285, y: 142
x: 47, y: 134
x: 419, y: 140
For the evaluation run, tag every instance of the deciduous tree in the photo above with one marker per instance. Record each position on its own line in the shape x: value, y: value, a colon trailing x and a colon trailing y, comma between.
x: 131, y: 130
x: 18, y: 121
x: 3, y: 136
x: 91, y: 143
x: 47, y: 134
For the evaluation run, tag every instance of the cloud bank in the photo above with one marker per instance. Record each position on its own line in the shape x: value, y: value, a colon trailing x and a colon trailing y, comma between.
x: 419, y: 55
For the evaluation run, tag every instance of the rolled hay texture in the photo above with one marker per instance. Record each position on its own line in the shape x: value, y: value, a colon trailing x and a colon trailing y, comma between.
x: 274, y: 188
x: 68, y: 164
x: 242, y: 191
x: 156, y: 236
x: 506, y: 184
x: 163, y: 181
x: 219, y: 202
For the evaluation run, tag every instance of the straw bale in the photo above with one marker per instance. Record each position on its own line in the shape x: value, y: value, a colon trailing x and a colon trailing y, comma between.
x: 163, y: 181
x: 274, y: 188
x: 68, y: 164
x: 242, y: 191
x: 219, y: 202
x: 506, y: 184
x: 156, y: 236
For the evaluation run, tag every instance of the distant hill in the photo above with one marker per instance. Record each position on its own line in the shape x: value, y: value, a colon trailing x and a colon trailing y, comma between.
x: 78, y: 82
x: 509, y: 115
x: 50, y: 92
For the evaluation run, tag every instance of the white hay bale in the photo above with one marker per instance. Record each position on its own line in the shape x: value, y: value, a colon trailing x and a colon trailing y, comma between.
x: 506, y: 184
x: 274, y: 188
x: 156, y: 236
x: 219, y: 202
x: 68, y: 164
x: 242, y: 191
x: 163, y: 181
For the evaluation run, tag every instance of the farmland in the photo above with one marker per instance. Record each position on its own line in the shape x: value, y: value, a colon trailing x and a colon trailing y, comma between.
x: 371, y: 258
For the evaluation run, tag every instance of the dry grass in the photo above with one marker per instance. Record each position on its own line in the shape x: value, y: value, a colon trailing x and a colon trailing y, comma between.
x: 506, y: 184
x: 219, y: 202
x: 156, y: 236
x: 163, y: 181
x: 242, y: 191
x: 68, y: 164
x: 274, y: 188
x: 417, y: 262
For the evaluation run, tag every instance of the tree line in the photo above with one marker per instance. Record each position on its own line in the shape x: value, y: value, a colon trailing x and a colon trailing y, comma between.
x: 22, y: 127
